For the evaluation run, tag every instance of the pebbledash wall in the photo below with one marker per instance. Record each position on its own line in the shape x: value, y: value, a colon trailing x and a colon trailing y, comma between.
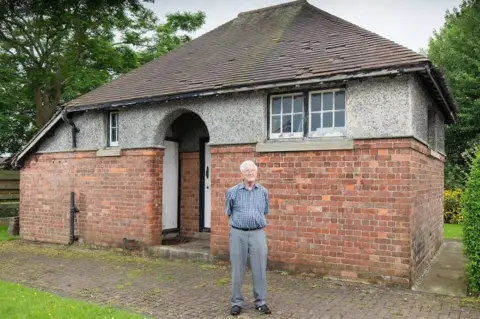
x: 367, y: 206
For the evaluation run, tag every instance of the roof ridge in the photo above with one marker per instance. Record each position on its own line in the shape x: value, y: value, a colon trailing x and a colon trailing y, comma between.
x: 287, y: 4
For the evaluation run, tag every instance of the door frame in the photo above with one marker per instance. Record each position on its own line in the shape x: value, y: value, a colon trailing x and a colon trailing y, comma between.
x: 179, y: 191
x: 201, y: 206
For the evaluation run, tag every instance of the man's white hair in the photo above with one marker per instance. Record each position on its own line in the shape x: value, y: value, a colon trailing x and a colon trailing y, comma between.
x: 247, y: 164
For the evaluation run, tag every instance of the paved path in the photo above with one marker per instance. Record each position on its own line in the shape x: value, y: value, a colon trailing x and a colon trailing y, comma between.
x: 447, y: 274
x: 179, y: 289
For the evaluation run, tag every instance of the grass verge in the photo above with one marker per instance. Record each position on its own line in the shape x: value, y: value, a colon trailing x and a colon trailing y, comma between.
x: 19, y: 302
x: 452, y: 231
x: 4, y: 234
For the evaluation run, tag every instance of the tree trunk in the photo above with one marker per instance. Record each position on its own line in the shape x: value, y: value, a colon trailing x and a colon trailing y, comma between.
x: 44, y: 107
x: 39, y: 107
x: 58, y: 88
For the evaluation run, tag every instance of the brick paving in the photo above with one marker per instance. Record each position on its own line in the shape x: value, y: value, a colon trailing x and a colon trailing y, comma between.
x: 180, y: 289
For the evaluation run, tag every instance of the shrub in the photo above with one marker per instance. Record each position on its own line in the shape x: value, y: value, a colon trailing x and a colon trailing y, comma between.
x: 452, y: 206
x: 8, y: 212
x: 471, y: 226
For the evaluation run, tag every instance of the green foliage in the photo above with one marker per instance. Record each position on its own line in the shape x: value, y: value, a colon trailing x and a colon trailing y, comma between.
x: 17, y: 113
x: 456, y: 175
x: 54, y: 51
x: 456, y: 49
x: 452, y: 207
x: 8, y: 212
x: 471, y: 226
x: 166, y: 38
x: 22, y: 302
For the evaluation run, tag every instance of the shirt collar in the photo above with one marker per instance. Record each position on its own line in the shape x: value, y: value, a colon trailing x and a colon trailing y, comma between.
x: 243, y: 185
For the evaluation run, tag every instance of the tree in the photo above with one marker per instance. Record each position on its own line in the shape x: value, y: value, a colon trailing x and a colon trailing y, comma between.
x: 61, y: 49
x: 46, y: 37
x: 166, y: 36
x: 17, y: 111
x: 456, y: 49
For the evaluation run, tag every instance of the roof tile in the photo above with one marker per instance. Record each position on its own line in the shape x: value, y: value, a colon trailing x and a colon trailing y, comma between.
x: 285, y: 42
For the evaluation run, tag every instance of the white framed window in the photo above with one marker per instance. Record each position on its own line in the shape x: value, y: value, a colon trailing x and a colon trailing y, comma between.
x: 327, y: 114
x: 113, y: 128
x: 286, y: 116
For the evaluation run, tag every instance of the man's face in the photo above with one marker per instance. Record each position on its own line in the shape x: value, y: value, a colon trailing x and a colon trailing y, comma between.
x: 250, y: 174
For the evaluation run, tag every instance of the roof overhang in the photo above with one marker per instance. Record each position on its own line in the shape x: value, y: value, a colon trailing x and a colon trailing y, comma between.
x: 434, y: 78
x: 36, y: 138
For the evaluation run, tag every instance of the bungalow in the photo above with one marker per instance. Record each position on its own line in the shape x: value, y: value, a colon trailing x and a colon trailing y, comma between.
x: 347, y: 129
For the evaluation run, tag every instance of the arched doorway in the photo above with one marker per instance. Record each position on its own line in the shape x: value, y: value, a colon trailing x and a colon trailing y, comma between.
x: 186, y: 189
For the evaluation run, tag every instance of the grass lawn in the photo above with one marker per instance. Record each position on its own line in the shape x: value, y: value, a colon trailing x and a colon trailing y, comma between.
x: 4, y: 234
x: 452, y: 231
x: 19, y: 302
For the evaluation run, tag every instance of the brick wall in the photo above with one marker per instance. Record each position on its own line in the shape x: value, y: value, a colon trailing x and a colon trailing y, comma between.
x: 373, y: 213
x: 427, y: 230
x: 338, y: 213
x: 189, y: 213
x: 117, y: 197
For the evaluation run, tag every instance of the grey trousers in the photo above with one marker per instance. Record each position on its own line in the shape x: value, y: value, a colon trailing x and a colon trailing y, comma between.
x: 251, y: 244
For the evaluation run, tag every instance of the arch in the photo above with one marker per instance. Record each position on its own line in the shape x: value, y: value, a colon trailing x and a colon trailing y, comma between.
x: 184, y: 134
x: 169, y: 118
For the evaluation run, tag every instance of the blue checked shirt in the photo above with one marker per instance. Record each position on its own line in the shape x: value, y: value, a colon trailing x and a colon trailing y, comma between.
x: 247, y: 208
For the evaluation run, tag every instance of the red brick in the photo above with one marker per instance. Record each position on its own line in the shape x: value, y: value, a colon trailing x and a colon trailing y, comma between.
x: 189, y: 207
x: 373, y: 184
x: 105, y: 192
x: 336, y: 212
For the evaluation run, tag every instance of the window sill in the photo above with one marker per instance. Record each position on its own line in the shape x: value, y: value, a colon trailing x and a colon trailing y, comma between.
x: 319, y: 144
x: 109, y: 152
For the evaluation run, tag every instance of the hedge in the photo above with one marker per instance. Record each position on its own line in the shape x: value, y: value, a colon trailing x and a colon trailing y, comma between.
x: 8, y: 212
x: 471, y: 227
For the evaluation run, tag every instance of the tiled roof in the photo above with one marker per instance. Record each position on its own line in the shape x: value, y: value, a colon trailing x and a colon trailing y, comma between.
x: 288, y: 42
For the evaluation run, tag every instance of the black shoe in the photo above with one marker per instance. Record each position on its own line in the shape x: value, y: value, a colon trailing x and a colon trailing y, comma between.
x: 264, y: 309
x: 235, y: 310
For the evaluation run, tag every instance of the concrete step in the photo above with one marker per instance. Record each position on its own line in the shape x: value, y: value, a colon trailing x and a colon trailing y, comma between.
x: 181, y: 252
x: 202, y: 235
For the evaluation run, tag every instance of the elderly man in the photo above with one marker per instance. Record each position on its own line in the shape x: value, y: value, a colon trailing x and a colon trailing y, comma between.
x: 246, y: 206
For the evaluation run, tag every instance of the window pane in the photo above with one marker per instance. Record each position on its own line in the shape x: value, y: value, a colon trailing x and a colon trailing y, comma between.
x: 340, y: 119
x: 287, y: 124
x: 297, y: 122
x: 114, y: 135
x: 114, y: 120
x: 327, y: 119
x: 287, y: 105
x: 277, y: 105
x: 339, y: 100
x: 298, y: 104
x: 276, y: 124
x: 327, y: 101
x: 315, y: 121
x: 316, y: 102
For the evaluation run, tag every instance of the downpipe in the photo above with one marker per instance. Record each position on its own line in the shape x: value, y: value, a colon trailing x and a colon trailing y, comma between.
x: 75, y: 129
x: 73, y: 211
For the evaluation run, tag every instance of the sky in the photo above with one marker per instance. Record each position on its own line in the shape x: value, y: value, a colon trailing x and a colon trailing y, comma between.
x: 408, y: 22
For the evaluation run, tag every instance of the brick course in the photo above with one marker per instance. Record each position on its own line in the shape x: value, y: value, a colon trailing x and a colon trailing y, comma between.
x: 373, y: 213
x: 189, y: 213
x: 117, y: 197
x: 427, y: 230
x: 345, y: 213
